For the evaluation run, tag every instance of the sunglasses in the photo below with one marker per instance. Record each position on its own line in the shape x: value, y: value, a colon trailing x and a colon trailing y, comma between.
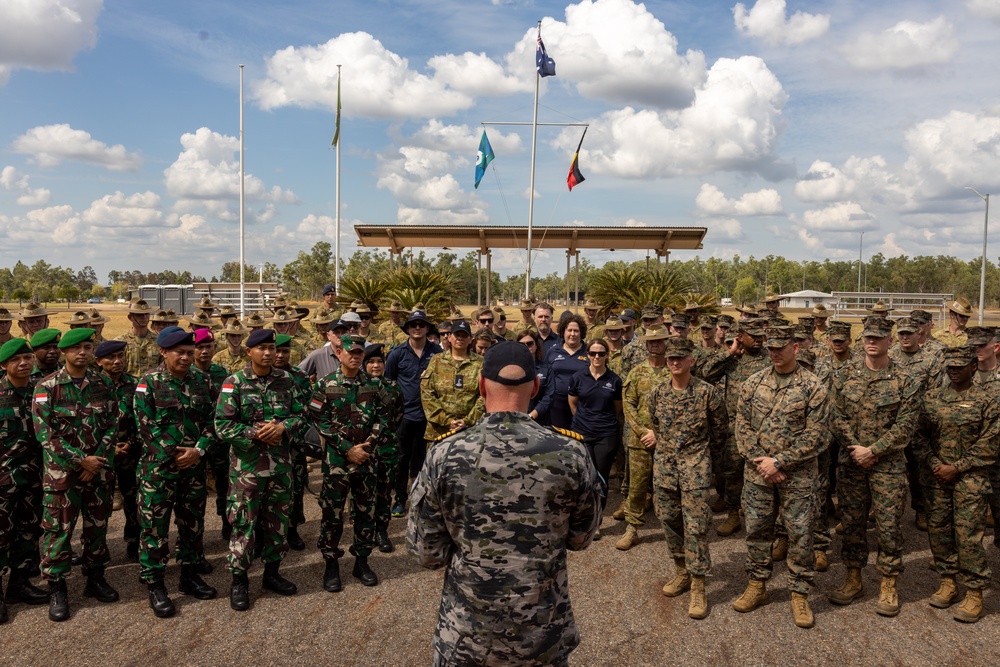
x: 489, y: 321
x: 366, y: 317
x: 529, y: 343
x: 597, y: 354
x: 422, y: 325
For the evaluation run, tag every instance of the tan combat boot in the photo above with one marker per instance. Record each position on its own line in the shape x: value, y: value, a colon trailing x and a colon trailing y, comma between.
x: 730, y: 525
x: 718, y: 505
x: 851, y: 590
x: 629, y: 539
x: 681, y: 581
x: 117, y: 501
x: 971, y: 609
x: 779, y: 550
x: 888, y: 599
x: 822, y: 561
x: 800, y: 610
x: 921, y: 521
x: 619, y: 513
x: 698, y: 607
x: 754, y: 596
x: 946, y: 594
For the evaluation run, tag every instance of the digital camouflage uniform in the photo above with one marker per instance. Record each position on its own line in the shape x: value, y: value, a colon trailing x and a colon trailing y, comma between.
x: 300, y: 468
x: 126, y: 465
x: 141, y: 354
x: 782, y: 417
x: 702, y: 356
x: 387, y: 450
x: 172, y: 413
x: 962, y: 430
x: 20, y: 480
x: 217, y: 457
x: 73, y: 422
x: 635, y: 391
x: 927, y: 371
x: 687, y: 423
x: 346, y: 413
x: 990, y: 380
x: 876, y: 409
x: 230, y: 361
x: 260, y: 474
x: 449, y: 390
x: 633, y: 354
x: 498, y: 505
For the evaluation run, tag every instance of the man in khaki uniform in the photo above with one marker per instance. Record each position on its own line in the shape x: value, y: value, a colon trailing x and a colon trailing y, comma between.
x: 34, y: 317
x: 142, y: 354
x: 959, y: 312
x: 234, y: 357
x: 527, y: 309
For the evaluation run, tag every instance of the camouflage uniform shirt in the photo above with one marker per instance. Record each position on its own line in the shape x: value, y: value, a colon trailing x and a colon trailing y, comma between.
x: 689, y: 424
x: 449, y: 389
x: 141, y: 354
x: 346, y: 413
x: 172, y: 413
x: 231, y: 362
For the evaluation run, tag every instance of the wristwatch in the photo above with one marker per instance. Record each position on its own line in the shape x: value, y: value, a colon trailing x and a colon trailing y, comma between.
x: 777, y: 464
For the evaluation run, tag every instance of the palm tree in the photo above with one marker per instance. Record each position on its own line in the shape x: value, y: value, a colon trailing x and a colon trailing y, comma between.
x: 634, y: 286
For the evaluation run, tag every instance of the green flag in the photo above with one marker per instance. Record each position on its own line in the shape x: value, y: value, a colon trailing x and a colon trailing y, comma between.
x: 336, y: 134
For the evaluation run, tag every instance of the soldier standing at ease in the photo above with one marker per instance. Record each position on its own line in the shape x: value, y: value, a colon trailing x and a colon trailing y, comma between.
x: 536, y: 494
x: 987, y: 376
x: 142, y: 354
x: 926, y: 340
x: 959, y: 312
x: 45, y: 346
x: 875, y: 412
x: 233, y: 357
x: 345, y: 409
x: 173, y: 408
x: 527, y: 323
x: 449, y: 388
x: 20, y: 477
x: 386, y: 449
x: 781, y: 420
x: 300, y: 469
x: 959, y: 437
x: 76, y: 418
x: 689, y: 420
x: 218, y: 454
x: 258, y: 413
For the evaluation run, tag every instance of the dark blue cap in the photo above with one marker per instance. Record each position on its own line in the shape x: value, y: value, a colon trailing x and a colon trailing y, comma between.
x: 259, y: 337
x: 328, y: 289
x: 461, y: 325
x: 109, y: 347
x: 628, y: 314
x: 174, y: 336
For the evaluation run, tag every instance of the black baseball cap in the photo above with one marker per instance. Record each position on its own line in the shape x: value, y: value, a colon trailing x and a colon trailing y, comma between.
x: 508, y: 353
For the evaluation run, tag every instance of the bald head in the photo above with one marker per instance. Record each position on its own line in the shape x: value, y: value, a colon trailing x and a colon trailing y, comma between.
x: 500, y: 397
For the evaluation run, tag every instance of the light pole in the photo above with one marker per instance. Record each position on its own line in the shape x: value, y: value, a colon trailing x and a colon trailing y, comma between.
x: 982, y: 277
x: 861, y: 245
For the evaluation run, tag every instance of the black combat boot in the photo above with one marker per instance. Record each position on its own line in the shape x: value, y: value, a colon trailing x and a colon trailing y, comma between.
x: 363, y: 572
x: 3, y: 605
x: 294, y: 541
x: 331, y: 576
x: 76, y: 560
x: 273, y: 581
x: 239, y: 594
x: 383, y: 541
x: 132, y: 551
x: 58, y: 601
x: 203, y: 566
x: 20, y: 589
x: 159, y: 601
x: 194, y: 585
x: 227, y: 529
x: 98, y: 587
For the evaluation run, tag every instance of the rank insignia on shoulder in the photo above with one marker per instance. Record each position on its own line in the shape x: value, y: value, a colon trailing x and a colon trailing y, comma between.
x: 568, y: 433
x: 448, y: 434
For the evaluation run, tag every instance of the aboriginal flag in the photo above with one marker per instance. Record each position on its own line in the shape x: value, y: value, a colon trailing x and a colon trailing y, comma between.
x: 575, y: 177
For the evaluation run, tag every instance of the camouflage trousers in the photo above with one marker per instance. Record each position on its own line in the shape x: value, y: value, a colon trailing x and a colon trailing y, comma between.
x: 762, y: 505
x: 956, y: 521
x: 90, y: 501
x: 821, y: 532
x: 640, y: 476
x: 184, y: 497
x: 362, y: 485
x: 621, y: 458
x: 218, y: 462
x: 258, y: 510
x: 685, y: 515
x: 300, y: 479
x: 881, y: 488
x: 127, y: 480
x: 20, y: 517
x: 732, y: 471
x: 994, y: 495
x: 385, y: 473
x: 917, y: 480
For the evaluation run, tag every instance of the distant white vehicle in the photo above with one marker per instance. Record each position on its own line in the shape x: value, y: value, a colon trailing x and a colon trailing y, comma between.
x: 726, y: 302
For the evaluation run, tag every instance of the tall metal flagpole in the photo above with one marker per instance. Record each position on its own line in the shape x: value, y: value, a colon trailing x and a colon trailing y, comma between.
x: 531, y: 187
x: 242, y: 195
x: 336, y: 261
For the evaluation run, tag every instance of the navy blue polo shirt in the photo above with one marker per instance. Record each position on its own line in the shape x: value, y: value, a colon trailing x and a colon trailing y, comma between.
x: 554, y: 340
x: 596, y: 415
x: 405, y: 368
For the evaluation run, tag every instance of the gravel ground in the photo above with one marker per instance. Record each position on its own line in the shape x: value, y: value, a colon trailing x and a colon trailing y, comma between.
x: 622, y: 616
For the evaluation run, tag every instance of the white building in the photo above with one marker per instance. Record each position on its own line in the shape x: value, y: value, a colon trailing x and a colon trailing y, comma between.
x: 807, y: 298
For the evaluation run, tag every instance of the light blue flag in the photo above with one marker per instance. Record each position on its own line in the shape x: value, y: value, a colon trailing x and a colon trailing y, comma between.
x: 484, y: 158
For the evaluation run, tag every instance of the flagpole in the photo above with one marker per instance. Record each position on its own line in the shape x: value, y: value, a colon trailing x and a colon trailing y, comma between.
x: 531, y: 187
x: 242, y: 196
x: 336, y: 261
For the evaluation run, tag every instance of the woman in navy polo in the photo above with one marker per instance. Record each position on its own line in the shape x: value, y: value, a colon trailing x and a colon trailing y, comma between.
x: 595, y: 397
x: 537, y: 409
x: 565, y: 361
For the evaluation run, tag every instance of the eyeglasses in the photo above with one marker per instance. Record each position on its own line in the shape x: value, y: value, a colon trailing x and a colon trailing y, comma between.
x: 598, y: 354
x: 489, y: 321
x: 529, y: 343
x: 422, y: 325
x: 365, y: 317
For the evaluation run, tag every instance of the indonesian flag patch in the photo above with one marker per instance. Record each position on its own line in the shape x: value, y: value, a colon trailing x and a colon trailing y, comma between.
x: 315, y: 405
x: 141, y: 388
x: 228, y: 388
x: 41, y: 396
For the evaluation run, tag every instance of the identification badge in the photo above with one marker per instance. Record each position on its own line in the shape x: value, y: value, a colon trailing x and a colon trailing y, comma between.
x: 459, y: 382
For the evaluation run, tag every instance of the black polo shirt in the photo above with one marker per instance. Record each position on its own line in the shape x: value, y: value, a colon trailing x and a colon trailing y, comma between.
x: 596, y: 415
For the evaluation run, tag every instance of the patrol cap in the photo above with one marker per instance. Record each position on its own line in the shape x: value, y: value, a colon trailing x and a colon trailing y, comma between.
x: 731, y: 335
x: 282, y: 340
x: 707, y: 321
x: 329, y: 288
x: 614, y: 323
x: 907, y: 325
x: 678, y: 347
x: 13, y: 347
x: 203, y: 335
x: 876, y: 326
x: 651, y: 311
x: 505, y: 354
x: 350, y: 318
x: 74, y: 337
x: 959, y: 356
x: 174, y: 336
x: 779, y: 337
x: 838, y: 331
x: 260, y: 337
x: 726, y: 321
x: 921, y: 316
x: 807, y: 357
x: 47, y: 337
x: 656, y: 332
x: 376, y: 351
x: 753, y: 326
x: 976, y: 335
x: 809, y: 321
x: 627, y: 314
x: 353, y: 343
x: 802, y: 331
x: 680, y: 321
x: 460, y: 325
x: 109, y: 347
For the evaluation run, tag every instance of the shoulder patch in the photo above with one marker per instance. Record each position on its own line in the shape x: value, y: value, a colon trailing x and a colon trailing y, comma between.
x: 568, y: 433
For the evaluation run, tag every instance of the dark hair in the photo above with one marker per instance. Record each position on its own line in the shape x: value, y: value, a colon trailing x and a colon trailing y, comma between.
x: 538, y: 343
x: 569, y: 320
x: 483, y: 334
x: 544, y: 306
x: 599, y: 341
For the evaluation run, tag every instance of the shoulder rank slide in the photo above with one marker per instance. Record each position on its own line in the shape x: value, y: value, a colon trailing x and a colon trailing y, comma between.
x: 568, y: 433
x: 448, y: 434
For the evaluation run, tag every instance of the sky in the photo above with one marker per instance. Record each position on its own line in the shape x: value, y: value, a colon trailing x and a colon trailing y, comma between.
x: 785, y: 128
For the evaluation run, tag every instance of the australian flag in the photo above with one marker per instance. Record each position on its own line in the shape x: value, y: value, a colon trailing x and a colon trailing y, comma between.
x: 545, y: 65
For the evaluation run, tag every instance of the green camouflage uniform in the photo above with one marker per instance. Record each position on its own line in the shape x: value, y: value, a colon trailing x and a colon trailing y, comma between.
x: 990, y: 380
x: 126, y: 465
x: 782, y: 417
x: 702, y: 356
x: 948, y: 339
x: 37, y: 374
x: 877, y: 409
x: 260, y: 474
x: 387, y: 450
x: 171, y: 413
x: 962, y: 430
x: 498, y: 505
x: 141, y: 354
x: 217, y: 458
x: 449, y: 390
x: 523, y: 326
x: 20, y: 480
x: 231, y: 362
x: 300, y: 468
x: 633, y: 354
x: 935, y: 347
x: 637, y: 387
x: 346, y: 413
x: 927, y: 371
x: 595, y: 331
x: 687, y: 424
x: 73, y: 422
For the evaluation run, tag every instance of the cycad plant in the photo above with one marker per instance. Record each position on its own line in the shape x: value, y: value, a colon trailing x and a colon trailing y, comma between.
x: 634, y: 286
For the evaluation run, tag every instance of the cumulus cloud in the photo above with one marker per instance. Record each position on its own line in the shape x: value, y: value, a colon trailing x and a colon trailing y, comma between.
x: 766, y: 21
x: 45, y: 34
x: 839, y: 217
x: 957, y: 150
x: 711, y: 201
x: 44, y: 227
x: 49, y: 145
x: 908, y: 45
x: 12, y: 181
x: 823, y: 183
x: 141, y: 209
x: 729, y: 229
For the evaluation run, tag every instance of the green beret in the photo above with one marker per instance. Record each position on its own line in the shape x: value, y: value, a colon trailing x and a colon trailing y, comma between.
x: 282, y: 339
x: 46, y: 337
x: 75, y: 337
x: 13, y: 347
